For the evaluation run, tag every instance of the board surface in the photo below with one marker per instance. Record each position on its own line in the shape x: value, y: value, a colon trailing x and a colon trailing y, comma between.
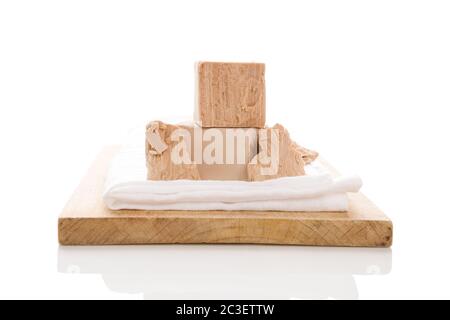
x: 87, y: 221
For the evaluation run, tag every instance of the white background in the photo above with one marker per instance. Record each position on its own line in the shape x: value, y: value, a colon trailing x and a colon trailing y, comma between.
x: 366, y: 83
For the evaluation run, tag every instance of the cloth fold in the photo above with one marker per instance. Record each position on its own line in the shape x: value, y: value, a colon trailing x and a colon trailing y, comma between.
x: 127, y: 188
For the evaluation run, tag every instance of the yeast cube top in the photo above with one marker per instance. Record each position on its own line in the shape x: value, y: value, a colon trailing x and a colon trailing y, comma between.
x: 230, y: 95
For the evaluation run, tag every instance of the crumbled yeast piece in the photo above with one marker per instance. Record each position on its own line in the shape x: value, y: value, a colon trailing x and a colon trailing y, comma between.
x: 158, y: 151
x: 278, y: 156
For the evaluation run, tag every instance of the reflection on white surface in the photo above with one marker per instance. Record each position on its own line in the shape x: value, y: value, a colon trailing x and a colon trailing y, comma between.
x: 227, y: 271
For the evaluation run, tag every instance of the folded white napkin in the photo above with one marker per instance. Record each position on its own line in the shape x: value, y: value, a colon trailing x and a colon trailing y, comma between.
x: 127, y: 188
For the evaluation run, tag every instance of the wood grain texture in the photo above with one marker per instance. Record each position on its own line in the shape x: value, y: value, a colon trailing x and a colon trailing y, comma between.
x: 86, y: 221
x: 231, y: 95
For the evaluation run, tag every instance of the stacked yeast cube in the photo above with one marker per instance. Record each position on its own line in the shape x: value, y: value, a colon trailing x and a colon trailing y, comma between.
x: 228, y: 132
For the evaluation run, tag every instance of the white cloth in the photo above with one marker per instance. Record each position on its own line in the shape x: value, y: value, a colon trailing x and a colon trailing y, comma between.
x: 127, y: 188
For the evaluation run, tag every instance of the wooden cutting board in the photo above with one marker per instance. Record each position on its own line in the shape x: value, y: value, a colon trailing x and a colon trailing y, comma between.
x: 86, y: 221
